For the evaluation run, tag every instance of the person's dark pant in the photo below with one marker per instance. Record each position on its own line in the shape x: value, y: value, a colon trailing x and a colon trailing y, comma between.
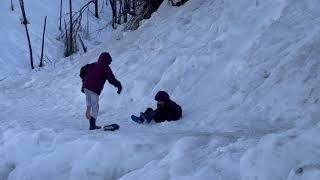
x: 148, y: 114
x: 157, y: 115
x: 148, y: 111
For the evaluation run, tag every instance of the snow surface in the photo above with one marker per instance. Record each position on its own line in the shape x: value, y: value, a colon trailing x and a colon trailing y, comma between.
x: 245, y: 72
x: 14, y: 59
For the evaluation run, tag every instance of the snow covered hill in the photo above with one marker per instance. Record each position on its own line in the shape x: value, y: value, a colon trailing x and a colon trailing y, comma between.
x: 245, y: 72
x: 14, y: 59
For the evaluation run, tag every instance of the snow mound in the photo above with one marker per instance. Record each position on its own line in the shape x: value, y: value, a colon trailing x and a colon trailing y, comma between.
x: 292, y: 155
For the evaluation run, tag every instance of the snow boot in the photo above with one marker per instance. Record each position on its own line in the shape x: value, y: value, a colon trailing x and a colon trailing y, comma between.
x: 137, y: 119
x: 93, y: 125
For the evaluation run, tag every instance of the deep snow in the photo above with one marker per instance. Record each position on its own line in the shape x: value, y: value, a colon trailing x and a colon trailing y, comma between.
x: 14, y: 58
x: 246, y: 74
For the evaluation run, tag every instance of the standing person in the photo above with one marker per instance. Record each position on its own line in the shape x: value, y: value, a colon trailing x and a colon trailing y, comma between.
x: 94, y: 76
x: 167, y: 110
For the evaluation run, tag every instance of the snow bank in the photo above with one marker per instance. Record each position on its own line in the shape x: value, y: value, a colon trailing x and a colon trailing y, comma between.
x: 50, y: 155
x: 292, y: 155
x: 47, y: 154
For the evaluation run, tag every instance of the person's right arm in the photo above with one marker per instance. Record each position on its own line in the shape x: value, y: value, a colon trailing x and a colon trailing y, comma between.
x: 112, y: 80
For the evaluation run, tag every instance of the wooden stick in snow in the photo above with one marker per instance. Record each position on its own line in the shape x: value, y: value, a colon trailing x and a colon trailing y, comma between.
x: 70, y: 30
x: 24, y: 17
x: 60, y: 15
x: 44, y: 31
x: 67, y: 40
x: 12, y: 8
x: 96, y: 7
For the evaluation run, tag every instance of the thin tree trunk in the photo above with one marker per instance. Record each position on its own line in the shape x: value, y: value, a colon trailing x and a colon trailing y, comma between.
x: 60, y: 28
x: 134, y: 5
x: 82, y: 44
x: 120, y: 12
x: 44, y: 32
x: 115, y: 11
x: 30, y: 48
x: 86, y: 34
x: 25, y: 22
x: 96, y: 7
x: 71, y: 29
x: 67, y: 40
x: 112, y: 2
x: 12, y: 8
x: 126, y: 11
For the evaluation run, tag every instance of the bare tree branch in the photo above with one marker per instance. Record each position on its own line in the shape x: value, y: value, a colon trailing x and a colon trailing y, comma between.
x: 82, y: 44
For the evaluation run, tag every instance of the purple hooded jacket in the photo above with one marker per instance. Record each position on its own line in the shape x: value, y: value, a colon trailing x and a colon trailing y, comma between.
x: 171, y: 111
x: 97, y: 74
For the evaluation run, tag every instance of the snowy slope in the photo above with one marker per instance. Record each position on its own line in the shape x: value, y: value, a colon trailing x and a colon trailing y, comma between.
x: 14, y: 58
x: 246, y: 74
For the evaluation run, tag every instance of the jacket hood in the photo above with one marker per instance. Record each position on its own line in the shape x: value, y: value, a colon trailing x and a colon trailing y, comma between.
x: 162, y: 96
x: 105, y: 58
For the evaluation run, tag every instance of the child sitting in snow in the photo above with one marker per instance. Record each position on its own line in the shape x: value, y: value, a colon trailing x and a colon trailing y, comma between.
x: 166, y: 110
